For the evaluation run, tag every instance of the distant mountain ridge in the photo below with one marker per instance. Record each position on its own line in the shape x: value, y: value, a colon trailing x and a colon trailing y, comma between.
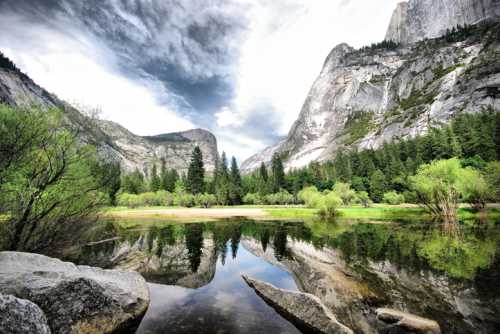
x: 113, y: 142
x: 389, y: 91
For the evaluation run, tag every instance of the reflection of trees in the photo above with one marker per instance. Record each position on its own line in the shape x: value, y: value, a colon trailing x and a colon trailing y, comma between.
x: 264, y: 237
x: 194, y: 244
x: 279, y: 242
x: 235, y: 239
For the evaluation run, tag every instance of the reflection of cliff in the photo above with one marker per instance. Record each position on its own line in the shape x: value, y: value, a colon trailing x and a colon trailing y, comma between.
x: 161, y: 258
x: 353, y: 289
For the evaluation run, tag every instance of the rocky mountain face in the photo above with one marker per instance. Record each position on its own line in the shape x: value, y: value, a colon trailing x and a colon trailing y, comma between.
x: 363, y: 98
x: 113, y: 142
x: 415, y: 20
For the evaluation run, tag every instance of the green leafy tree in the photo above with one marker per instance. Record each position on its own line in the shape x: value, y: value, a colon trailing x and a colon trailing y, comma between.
x: 46, y: 176
x: 440, y: 185
x: 196, y: 173
x: 222, y: 189
x: 133, y: 183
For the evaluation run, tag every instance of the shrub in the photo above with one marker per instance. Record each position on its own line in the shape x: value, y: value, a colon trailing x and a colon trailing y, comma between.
x: 327, y: 205
x: 310, y: 196
x: 184, y: 199
x: 393, y: 198
x: 252, y: 198
x: 363, y: 199
x: 205, y: 200
x: 344, y: 192
x: 280, y: 198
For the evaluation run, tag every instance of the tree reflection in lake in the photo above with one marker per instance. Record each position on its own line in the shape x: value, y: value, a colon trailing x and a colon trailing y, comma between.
x: 447, y: 274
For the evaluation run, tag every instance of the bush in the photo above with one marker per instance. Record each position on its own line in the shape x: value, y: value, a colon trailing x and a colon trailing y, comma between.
x: 205, y: 200
x: 363, y: 199
x: 184, y: 199
x: 310, y: 196
x: 393, y: 198
x: 327, y: 205
x: 280, y: 198
x: 252, y: 198
x: 344, y: 192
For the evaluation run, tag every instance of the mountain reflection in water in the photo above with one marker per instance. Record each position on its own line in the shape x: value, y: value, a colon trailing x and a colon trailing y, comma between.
x: 194, y: 271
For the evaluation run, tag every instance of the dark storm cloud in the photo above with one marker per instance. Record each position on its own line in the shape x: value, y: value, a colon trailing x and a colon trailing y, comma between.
x: 191, y: 47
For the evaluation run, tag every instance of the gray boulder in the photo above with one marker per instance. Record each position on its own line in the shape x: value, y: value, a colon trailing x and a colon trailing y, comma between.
x: 393, y: 321
x: 20, y: 316
x: 75, y: 299
x: 303, y: 309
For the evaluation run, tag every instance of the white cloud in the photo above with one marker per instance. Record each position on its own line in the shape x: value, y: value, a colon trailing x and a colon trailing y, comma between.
x: 81, y: 70
x: 271, y: 66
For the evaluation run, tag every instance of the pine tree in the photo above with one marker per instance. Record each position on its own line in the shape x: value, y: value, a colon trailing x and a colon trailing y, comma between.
x: 235, y: 183
x: 222, y: 186
x: 263, y: 172
x: 155, y: 181
x: 163, y: 175
x: 377, y: 186
x: 278, y: 173
x: 196, y: 173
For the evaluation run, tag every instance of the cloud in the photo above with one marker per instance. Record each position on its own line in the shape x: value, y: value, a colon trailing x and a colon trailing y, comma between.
x: 240, y: 68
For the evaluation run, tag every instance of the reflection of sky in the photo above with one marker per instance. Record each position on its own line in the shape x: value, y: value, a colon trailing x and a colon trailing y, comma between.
x: 226, y: 305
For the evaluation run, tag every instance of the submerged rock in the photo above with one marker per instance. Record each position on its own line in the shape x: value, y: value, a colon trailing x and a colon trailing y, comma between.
x: 305, y: 310
x: 20, y: 316
x: 394, y: 321
x: 75, y: 299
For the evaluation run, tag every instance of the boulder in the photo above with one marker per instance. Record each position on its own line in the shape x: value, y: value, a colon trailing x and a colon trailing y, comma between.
x: 394, y: 321
x: 75, y: 299
x: 303, y: 309
x: 20, y: 316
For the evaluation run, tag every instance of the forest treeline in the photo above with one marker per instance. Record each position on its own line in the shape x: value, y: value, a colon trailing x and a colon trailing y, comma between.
x: 375, y: 175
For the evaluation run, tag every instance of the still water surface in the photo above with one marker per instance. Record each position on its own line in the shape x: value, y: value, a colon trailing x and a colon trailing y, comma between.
x: 194, y: 272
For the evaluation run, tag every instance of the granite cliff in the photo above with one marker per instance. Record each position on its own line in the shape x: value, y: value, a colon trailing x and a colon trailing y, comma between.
x: 389, y: 91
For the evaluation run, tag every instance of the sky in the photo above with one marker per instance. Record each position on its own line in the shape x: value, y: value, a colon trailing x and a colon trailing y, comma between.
x: 239, y: 68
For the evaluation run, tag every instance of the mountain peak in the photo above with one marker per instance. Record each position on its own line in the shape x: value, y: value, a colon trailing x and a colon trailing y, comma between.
x: 416, y: 20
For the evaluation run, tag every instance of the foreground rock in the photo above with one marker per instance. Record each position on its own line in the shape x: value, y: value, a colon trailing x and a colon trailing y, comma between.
x: 305, y: 310
x: 75, y: 299
x: 394, y: 321
x: 19, y: 316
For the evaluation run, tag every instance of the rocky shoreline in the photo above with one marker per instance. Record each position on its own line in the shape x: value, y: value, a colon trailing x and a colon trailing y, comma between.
x: 46, y: 295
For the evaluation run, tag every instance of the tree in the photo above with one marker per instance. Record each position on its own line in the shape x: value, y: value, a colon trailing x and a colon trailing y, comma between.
x: 46, y: 179
x: 377, y: 186
x: 344, y: 192
x: 263, y: 172
x: 222, y: 190
x: 155, y: 181
x: 440, y: 185
x: 235, y: 183
x: 133, y: 183
x: 492, y: 175
x: 108, y: 176
x: 196, y: 172
x: 278, y: 173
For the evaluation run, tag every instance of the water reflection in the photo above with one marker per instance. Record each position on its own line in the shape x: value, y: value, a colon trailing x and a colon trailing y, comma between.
x: 448, y: 274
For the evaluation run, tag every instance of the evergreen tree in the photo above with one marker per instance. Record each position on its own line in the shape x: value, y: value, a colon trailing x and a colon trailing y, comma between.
x: 222, y: 187
x: 235, y: 183
x: 278, y: 173
x: 163, y: 175
x: 377, y: 186
x: 155, y: 181
x: 196, y: 173
x: 263, y: 172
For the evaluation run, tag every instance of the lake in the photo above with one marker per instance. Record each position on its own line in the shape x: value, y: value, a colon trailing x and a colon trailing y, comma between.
x: 449, y: 274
